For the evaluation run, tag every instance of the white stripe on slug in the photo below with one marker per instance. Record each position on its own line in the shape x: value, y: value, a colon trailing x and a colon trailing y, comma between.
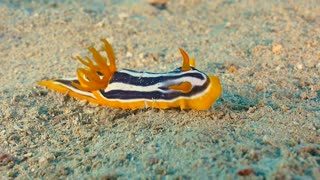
x: 124, y: 86
x: 85, y: 93
x: 159, y: 100
x: 143, y: 74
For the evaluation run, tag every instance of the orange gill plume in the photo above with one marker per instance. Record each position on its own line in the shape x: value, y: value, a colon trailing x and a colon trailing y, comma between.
x: 98, y: 73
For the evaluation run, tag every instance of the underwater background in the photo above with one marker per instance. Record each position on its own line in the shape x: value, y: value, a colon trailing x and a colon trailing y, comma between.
x: 266, y: 124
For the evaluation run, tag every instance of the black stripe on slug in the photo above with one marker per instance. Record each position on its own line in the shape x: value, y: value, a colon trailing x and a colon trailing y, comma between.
x: 152, y: 95
x: 147, y: 78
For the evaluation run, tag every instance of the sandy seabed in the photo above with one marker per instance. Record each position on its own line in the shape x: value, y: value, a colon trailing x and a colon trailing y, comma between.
x: 266, y: 124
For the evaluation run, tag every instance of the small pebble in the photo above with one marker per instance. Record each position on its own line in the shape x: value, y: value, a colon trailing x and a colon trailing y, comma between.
x: 43, y: 161
x: 131, y: 135
x: 141, y: 56
x: 252, y: 109
x: 246, y: 172
x: 304, y: 95
x: 161, y: 4
x: 233, y: 69
x: 10, y: 173
x: 284, y: 108
x: 227, y: 25
x: 123, y: 15
x: 129, y: 54
x: 299, y: 66
x: 267, y: 140
x: 276, y: 48
x: 28, y: 155
x: 259, y: 87
x: 100, y: 24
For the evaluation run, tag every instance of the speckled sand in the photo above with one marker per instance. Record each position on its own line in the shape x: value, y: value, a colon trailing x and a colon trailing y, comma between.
x: 266, y: 125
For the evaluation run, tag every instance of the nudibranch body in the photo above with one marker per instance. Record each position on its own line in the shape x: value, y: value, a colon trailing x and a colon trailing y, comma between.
x: 101, y: 83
